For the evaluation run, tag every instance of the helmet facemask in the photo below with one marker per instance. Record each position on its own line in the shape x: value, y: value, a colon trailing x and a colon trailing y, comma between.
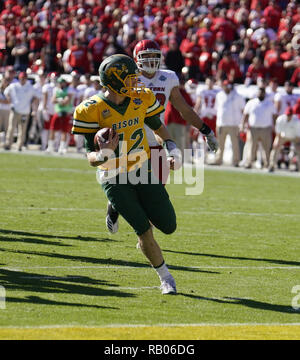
x: 149, y: 61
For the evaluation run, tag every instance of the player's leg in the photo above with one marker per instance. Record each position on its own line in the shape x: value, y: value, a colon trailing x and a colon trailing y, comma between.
x: 159, y: 210
x: 161, y: 170
x: 278, y: 142
x: 124, y: 199
x: 297, y: 149
x: 234, y: 136
x: 252, y: 144
x: 12, y: 123
x: 266, y: 140
x: 112, y: 219
x: 221, y: 135
x: 54, y: 127
x: 152, y: 251
x: 158, y: 207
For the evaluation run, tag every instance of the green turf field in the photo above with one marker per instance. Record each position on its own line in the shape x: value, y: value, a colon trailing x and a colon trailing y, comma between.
x: 235, y: 254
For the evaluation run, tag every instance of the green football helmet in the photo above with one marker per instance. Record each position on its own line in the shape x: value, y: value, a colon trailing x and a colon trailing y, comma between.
x: 119, y: 73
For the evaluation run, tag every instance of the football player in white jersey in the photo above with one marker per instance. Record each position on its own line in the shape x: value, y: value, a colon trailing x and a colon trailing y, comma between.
x: 165, y: 85
x: 284, y: 100
x: 287, y: 130
x: 77, y: 88
x: 48, y: 108
x: 205, y: 103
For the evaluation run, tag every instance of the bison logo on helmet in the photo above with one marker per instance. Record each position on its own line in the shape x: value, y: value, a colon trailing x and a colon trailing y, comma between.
x: 114, y: 70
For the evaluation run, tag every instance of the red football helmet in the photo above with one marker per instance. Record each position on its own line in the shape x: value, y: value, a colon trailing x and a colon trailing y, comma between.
x: 147, y: 56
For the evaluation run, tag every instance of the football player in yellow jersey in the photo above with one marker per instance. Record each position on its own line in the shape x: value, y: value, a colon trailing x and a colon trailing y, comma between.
x: 125, y: 107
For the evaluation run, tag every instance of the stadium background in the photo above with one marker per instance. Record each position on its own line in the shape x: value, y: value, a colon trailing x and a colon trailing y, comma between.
x: 73, y: 37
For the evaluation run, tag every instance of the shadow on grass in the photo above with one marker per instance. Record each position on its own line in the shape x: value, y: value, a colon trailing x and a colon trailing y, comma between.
x: 107, y: 262
x: 258, y: 305
x: 30, y: 237
x: 273, y: 261
x: 68, y: 286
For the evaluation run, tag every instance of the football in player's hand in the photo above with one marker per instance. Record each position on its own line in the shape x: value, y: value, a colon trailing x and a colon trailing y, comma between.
x: 102, y: 136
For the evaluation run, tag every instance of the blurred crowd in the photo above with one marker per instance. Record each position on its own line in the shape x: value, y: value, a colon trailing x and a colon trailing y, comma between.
x: 237, y: 39
x: 247, y: 42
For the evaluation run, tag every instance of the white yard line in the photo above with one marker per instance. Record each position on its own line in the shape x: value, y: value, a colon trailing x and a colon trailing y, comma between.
x: 144, y: 267
x: 76, y: 325
x: 219, y: 213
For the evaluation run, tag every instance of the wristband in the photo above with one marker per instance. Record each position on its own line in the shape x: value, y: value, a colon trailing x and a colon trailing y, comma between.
x: 205, y: 130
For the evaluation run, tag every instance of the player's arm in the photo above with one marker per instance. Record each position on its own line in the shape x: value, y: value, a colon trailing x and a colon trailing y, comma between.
x: 174, y: 154
x: 198, y: 104
x: 190, y: 116
x: 96, y: 158
x: 277, y: 104
x: 245, y: 120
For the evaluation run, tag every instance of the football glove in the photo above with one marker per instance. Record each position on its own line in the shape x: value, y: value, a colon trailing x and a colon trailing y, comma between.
x: 174, y: 154
x: 211, y: 140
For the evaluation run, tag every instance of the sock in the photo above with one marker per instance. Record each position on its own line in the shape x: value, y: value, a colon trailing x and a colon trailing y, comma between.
x: 44, y: 138
x: 63, y: 145
x: 50, y: 145
x: 162, y: 271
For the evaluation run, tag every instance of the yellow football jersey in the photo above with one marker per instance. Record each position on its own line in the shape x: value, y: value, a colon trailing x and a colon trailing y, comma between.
x: 126, y: 119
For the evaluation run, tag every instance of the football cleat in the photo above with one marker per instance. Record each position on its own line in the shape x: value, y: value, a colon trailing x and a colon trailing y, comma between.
x: 112, y: 222
x: 168, y: 286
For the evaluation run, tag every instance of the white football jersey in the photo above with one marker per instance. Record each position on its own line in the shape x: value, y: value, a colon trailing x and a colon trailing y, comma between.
x: 161, y: 84
x: 49, y: 90
x: 38, y: 88
x: 286, y: 100
x: 288, y: 129
x: 208, y: 99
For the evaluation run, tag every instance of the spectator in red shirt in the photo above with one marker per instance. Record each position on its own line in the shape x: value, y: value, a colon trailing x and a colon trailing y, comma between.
x: 225, y: 26
x: 35, y: 35
x: 78, y: 58
x: 228, y: 68
x: 256, y: 70
x: 96, y: 48
x: 62, y: 37
x: 205, y: 62
x: 205, y: 34
x: 274, y: 64
x: 191, y: 52
x: 272, y: 55
x: 272, y: 14
x: 295, y: 79
x: 263, y: 3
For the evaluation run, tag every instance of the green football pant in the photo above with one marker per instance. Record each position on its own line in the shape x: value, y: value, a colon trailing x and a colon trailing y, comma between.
x: 141, y: 203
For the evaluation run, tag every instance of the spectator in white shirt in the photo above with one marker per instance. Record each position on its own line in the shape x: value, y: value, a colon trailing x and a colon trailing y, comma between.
x: 229, y: 105
x: 287, y: 130
x: 284, y: 100
x: 259, y: 115
x: 4, y: 106
x: 263, y: 31
x: 20, y: 94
